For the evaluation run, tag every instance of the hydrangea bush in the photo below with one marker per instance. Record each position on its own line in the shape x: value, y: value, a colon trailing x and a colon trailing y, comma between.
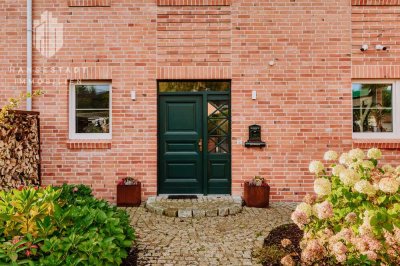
x: 354, y: 218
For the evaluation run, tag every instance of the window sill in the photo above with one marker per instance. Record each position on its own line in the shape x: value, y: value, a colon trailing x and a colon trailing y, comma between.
x: 88, y: 145
x: 377, y: 143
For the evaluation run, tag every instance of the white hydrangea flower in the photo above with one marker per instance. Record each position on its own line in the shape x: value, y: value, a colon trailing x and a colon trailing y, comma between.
x: 387, y: 168
x: 374, y: 153
x: 337, y: 169
x: 368, y: 165
x: 397, y: 171
x: 322, y: 186
x: 345, y: 159
x: 330, y: 156
x: 304, y: 207
x: 389, y: 185
x: 355, y: 165
x: 356, y: 154
x: 349, y: 177
x: 365, y: 187
x: 316, y: 167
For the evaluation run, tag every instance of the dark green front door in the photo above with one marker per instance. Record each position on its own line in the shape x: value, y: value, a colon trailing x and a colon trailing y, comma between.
x: 180, y: 130
x: 194, y: 141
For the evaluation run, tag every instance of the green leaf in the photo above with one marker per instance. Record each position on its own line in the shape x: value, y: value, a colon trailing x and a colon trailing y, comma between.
x: 13, y: 256
x: 382, y: 199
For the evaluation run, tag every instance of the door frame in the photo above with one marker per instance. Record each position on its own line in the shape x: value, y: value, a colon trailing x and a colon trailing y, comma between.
x: 204, y: 95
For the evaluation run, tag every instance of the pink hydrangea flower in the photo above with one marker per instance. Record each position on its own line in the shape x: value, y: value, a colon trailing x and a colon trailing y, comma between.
x: 300, y: 218
x: 324, y: 210
x: 313, y: 252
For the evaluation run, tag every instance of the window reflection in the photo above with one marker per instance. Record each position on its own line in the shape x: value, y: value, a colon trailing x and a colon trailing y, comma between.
x: 193, y: 86
x: 372, y: 108
x: 218, y: 126
x: 92, y: 111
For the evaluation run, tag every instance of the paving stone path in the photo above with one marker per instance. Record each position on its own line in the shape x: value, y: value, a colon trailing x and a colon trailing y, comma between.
x: 205, y: 241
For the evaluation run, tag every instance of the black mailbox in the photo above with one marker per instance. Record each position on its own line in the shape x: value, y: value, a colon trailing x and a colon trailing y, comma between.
x: 255, y: 137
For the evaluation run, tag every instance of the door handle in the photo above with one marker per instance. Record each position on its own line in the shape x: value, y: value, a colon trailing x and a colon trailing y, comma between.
x: 200, y: 145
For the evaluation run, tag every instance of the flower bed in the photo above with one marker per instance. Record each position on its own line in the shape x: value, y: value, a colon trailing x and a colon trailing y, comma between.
x: 354, y: 219
x: 280, y: 242
x: 65, y: 225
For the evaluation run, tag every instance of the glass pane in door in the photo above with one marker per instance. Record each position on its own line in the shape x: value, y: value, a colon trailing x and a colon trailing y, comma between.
x: 218, y: 126
x: 193, y: 86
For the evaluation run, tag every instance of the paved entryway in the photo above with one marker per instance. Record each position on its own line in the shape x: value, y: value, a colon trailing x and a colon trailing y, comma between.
x: 205, y: 241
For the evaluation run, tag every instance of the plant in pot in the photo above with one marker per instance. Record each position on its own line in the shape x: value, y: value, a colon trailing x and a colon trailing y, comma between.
x: 129, y: 192
x: 256, y: 193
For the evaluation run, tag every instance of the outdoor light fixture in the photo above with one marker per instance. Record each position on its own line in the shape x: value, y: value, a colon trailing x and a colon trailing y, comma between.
x: 133, y: 95
x: 254, y: 95
x: 380, y: 47
x: 364, y: 48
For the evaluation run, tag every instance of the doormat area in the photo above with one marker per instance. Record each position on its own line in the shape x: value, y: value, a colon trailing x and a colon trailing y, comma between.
x: 178, y: 197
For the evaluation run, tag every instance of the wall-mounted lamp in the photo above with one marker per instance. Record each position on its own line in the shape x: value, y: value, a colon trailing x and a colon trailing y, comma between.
x: 133, y: 95
x: 364, y: 48
x: 254, y: 95
x: 380, y: 47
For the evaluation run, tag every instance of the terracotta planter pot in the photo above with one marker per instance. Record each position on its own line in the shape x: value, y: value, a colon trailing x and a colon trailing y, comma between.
x: 257, y: 197
x: 129, y: 195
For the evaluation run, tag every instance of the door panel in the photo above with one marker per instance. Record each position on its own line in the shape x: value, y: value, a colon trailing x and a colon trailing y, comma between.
x: 180, y: 129
x: 218, y: 144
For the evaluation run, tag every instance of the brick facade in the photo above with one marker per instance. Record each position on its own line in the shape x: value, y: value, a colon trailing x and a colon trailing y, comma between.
x: 300, y: 56
x: 376, y: 22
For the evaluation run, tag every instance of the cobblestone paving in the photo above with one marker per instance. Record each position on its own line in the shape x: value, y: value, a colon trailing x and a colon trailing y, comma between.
x: 208, y: 240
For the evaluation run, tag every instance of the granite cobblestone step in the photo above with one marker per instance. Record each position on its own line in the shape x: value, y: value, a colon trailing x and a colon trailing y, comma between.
x: 203, y: 206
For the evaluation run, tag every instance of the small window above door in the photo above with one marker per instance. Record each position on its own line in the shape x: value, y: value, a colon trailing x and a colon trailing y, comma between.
x: 194, y: 86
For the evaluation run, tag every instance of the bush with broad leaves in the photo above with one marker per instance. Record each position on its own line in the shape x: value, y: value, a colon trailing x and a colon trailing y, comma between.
x: 354, y: 218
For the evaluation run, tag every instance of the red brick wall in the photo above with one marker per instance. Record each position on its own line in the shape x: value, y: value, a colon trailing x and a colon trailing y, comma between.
x: 194, y: 42
x: 116, y: 43
x: 304, y: 98
x: 12, y: 48
x: 376, y: 22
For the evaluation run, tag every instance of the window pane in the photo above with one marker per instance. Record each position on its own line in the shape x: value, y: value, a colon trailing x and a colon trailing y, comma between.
x: 218, y: 126
x: 92, y: 121
x: 372, y: 108
x: 92, y: 96
x: 196, y: 86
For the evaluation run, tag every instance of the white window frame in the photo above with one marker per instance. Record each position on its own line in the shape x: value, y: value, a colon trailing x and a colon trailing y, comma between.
x: 72, y: 115
x: 395, y: 135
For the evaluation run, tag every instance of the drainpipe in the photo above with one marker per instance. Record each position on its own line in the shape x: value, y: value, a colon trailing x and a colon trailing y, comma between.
x: 29, y: 54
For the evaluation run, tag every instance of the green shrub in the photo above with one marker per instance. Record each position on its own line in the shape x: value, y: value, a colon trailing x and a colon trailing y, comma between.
x: 75, y: 194
x: 355, y: 219
x: 41, y: 226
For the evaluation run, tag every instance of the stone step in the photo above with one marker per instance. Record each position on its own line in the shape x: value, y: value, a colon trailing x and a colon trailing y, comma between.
x: 203, y: 206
